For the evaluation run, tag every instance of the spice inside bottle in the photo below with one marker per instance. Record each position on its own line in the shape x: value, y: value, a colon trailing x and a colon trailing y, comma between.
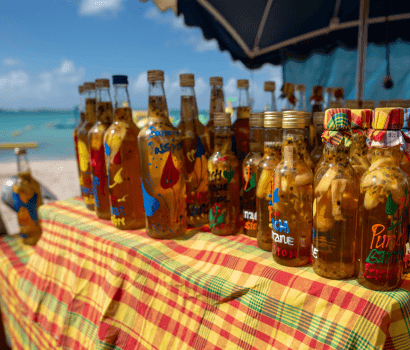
x: 217, y: 105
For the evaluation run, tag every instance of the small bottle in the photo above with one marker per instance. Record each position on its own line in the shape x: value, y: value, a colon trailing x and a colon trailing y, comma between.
x: 329, y: 97
x: 27, y: 199
x: 224, y: 181
x: 83, y: 146
x: 81, y: 109
x: 287, y: 97
x: 269, y: 88
x: 97, y: 154
x: 292, y: 197
x: 122, y: 159
x: 339, y: 98
x: 300, y: 98
x: 272, y: 156
x: 383, y: 203
x: 217, y: 105
x: 249, y: 170
x: 317, y: 154
x: 163, y: 169
x: 196, y: 154
x: 336, y: 202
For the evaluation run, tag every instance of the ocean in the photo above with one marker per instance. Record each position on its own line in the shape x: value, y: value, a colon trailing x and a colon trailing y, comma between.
x: 54, y: 143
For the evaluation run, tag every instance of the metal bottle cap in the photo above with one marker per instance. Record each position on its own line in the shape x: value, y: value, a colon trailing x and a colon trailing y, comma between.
x: 269, y: 86
x: 215, y: 81
x: 242, y: 83
x: 186, y: 80
x: 99, y: 83
x: 89, y: 86
x: 294, y: 119
x: 256, y: 120
x: 222, y: 119
x: 272, y: 119
x: 155, y: 75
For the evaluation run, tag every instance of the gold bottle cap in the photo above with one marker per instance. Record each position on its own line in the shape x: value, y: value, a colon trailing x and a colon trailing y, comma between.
x: 186, y: 80
x: 288, y: 88
x: 222, y: 119
x: 242, y: 83
x: 18, y: 151
x: 294, y: 119
x: 272, y: 119
x: 352, y: 104
x: 80, y: 89
x: 256, y: 120
x: 328, y: 90
x: 215, y: 81
x: 100, y: 83
x: 300, y: 87
x: 318, y: 118
x: 155, y: 75
x: 89, y: 86
x: 269, y: 86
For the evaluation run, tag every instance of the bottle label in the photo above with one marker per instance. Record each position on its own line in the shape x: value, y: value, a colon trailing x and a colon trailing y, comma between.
x: 26, y: 207
x: 83, y: 155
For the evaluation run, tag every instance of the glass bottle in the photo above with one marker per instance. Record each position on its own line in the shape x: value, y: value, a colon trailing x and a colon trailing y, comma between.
x: 339, y: 98
x: 300, y: 98
x: 383, y: 202
x: 122, y: 159
x: 329, y: 97
x: 287, y: 97
x: 317, y: 154
x: 217, y: 105
x: 224, y: 180
x: 27, y: 199
x: 249, y: 170
x: 196, y: 154
x: 335, y: 205
x: 269, y: 87
x: 361, y: 121
x: 97, y: 155
x: 292, y: 197
x: 162, y: 164
x: 265, y: 175
x: 81, y: 109
x: 83, y: 146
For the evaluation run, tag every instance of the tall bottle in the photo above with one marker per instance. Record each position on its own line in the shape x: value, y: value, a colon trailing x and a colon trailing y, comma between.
x: 122, y: 158
x: 383, y: 202
x: 162, y: 164
x: 336, y: 202
x: 269, y: 87
x: 81, y: 109
x: 329, y: 97
x: 317, y: 154
x: 300, y: 98
x: 287, y: 97
x: 292, y: 197
x: 97, y: 155
x: 272, y: 156
x: 249, y: 170
x: 224, y: 180
x: 26, y: 199
x: 83, y: 146
x: 217, y: 105
x: 196, y: 154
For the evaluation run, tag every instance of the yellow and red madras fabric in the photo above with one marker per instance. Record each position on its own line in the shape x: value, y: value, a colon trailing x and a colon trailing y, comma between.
x: 90, y: 286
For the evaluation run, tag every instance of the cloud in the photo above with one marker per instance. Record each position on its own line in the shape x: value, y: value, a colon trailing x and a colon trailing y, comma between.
x: 96, y: 7
x: 10, y: 62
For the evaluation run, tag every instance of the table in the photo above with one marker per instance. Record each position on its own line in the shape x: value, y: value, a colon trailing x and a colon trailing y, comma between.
x: 87, y: 285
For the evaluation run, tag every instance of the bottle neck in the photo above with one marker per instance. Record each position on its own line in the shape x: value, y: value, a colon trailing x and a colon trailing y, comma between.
x: 270, y: 98
x: 273, y: 142
x: 256, y: 139
x: 189, y: 109
x: 294, y: 145
x: 157, y: 102
x: 81, y: 104
x: 22, y: 164
x: 359, y: 144
x: 336, y: 155
x: 387, y: 156
x: 223, y: 139
x: 90, y: 106
x: 244, y: 100
x: 217, y: 104
x: 121, y: 96
x: 103, y: 94
x: 300, y: 101
x: 319, y: 131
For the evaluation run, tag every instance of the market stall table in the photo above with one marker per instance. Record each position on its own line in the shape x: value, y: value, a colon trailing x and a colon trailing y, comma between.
x: 87, y: 285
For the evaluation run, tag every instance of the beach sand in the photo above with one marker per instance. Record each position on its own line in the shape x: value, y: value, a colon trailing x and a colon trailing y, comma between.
x: 60, y: 177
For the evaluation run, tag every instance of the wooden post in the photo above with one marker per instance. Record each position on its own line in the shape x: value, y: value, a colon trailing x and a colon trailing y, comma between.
x: 361, y: 49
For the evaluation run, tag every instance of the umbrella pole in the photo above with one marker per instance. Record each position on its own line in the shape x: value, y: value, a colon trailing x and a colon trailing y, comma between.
x: 361, y: 49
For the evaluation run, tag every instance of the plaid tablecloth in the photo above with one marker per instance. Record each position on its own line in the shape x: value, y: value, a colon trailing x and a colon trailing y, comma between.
x: 91, y: 286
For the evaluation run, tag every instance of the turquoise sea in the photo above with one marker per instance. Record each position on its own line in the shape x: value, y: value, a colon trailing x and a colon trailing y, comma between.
x: 51, y: 130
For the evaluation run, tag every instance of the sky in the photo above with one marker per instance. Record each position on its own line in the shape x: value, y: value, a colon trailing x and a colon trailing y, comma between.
x: 49, y: 47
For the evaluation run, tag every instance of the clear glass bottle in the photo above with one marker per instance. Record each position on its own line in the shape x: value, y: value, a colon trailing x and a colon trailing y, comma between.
x: 83, y: 146
x: 196, y: 154
x: 293, y: 197
x: 336, y: 204
x: 224, y: 181
x: 249, y: 170
x: 97, y: 154
x: 383, y: 202
x: 317, y: 154
x: 122, y: 158
x: 27, y: 199
x: 287, y: 97
x: 300, y: 98
x: 81, y: 109
x: 339, y: 97
x: 272, y: 156
x: 163, y: 168
x: 217, y: 105
x: 329, y: 97
x: 269, y: 88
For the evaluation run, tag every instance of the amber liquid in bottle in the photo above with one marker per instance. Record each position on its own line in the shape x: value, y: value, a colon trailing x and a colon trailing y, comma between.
x: 97, y: 155
x: 249, y: 169
x: 84, y: 154
x: 335, y: 215
x: 163, y: 171
x: 196, y: 155
x: 224, y: 185
x: 217, y: 105
x: 317, y: 152
x: 75, y: 137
